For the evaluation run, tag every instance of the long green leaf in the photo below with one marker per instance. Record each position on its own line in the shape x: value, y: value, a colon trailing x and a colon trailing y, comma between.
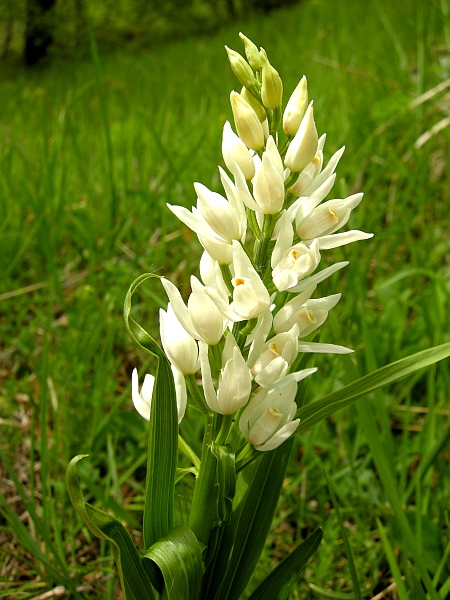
x: 179, y: 557
x: 280, y: 583
x: 320, y: 409
x: 136, y: 581
x: 163, y: 433
x: 241, y: 543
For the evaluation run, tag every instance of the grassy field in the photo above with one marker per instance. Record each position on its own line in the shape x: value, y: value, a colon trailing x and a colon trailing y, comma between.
x: 90, y: 153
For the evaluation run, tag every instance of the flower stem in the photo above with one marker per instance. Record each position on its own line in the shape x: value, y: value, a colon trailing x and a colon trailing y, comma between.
x: 204, y: 500
x: 196, y: 394
x: 261, y: 259
x: 185, y: 449
x: 224, y: 430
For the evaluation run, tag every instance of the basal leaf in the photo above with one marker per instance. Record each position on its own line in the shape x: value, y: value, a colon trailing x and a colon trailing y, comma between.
x: 163, y: 433
x: 136, y: 581
x: 179, y: 557
x: 280, y: 583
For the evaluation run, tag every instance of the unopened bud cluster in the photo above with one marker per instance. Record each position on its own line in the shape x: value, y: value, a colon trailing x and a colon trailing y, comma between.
x: 241, y: 330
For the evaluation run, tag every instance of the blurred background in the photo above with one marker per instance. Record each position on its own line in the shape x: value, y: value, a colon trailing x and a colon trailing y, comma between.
x: 108, y: 110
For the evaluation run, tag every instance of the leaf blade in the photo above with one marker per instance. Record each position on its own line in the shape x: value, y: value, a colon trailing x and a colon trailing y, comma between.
x: 179, y: 557
x: 279, y: 584
x: 136, y: 582
x: 162, y: 449
x: 318, y: 410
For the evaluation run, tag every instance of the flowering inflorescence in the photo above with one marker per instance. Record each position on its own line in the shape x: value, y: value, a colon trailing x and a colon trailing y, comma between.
x: 246, y: 317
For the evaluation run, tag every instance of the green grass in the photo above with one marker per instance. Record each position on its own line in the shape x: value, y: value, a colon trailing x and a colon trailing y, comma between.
x: 66, y: 359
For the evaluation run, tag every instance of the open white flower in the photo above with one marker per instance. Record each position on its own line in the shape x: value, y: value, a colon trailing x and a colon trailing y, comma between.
x: 234, y: 382
x: 180, y: 347
x: 327, y: 218
x: 297, y: 262
x: 275, y: 357
x: 200, y: 318
x: 267, y: 420
x: 142, y: 399
x: 307, y: 314
x: 250, y: 295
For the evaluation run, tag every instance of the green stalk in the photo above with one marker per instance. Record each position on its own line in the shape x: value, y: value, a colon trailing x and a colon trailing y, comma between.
x: 225, y: 426
x: 196, y: 394
x: 227, y: 277
x: 184, y: 447
x: 261, y: 256
x: 204, y: 500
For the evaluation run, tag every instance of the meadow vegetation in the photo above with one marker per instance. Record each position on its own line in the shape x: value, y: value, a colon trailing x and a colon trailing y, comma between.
x: 90, y: 153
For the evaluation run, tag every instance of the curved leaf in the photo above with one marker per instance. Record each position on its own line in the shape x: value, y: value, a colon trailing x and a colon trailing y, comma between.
x: 320, y: 409
x: 179, y: 557
x: 280, y: 583
x: 163, y: 432
x: 138, y: 334
x: 136, y: 581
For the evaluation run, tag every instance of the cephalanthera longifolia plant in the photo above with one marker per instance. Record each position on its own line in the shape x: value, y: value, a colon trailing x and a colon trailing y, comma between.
x: 242, y: 329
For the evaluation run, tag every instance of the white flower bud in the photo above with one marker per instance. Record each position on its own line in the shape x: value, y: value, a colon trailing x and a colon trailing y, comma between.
x: 206, y: 318
x: 233, y: 147
x: 272, y: 86
x: 268, y: 186
x: 247, y: 123
x: 257, y: 106
x: 218, y: 213
x: 220, y: 251
x: 296, y: 108
x: 303, y: 147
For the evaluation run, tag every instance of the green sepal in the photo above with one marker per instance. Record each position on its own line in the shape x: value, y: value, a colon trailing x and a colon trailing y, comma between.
x: 281, y: 581
x: 178, y: 555
x: 136, y: 582
x: 226, y: 479
x: 320, y: 409
x: 163, y: 433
